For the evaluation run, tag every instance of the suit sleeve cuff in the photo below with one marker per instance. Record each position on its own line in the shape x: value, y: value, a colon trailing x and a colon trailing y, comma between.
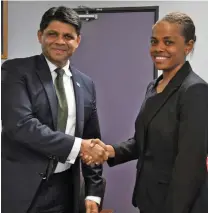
x: 75, y: 151
x: 94, y: 198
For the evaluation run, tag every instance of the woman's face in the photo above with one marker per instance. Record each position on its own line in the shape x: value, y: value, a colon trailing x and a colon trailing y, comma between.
x: 168, y: 47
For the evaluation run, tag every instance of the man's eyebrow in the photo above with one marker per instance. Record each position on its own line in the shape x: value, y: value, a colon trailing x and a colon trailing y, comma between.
x: 168, y: 37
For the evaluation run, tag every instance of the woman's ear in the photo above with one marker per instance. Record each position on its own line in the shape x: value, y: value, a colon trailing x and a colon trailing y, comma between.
x: 189, y: 47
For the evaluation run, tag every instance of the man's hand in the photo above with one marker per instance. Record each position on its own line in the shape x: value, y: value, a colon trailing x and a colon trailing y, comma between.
x: 91, y: 206
x: 93, y: 154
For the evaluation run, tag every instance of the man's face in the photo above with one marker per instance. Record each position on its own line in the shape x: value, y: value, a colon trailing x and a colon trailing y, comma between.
x: 168, y: 48
x: 59, y: 41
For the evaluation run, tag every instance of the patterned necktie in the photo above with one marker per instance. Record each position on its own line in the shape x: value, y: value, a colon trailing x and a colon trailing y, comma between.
x: 62, y: 101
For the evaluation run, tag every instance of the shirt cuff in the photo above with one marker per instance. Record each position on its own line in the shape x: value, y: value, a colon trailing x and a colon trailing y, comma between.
x: 75, y: 151
x: 94, y: 198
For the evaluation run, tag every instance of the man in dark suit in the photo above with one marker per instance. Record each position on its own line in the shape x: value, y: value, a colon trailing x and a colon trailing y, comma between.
x: 48, y: 117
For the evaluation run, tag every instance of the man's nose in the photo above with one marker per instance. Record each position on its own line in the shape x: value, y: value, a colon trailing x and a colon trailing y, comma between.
x: 60, y: 40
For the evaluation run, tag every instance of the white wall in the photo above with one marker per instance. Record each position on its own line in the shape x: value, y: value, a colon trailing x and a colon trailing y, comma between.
x: 24, y: 18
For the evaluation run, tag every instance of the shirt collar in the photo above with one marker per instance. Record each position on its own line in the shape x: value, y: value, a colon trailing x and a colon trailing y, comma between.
x: 52, y: 67
x: 156, y: 81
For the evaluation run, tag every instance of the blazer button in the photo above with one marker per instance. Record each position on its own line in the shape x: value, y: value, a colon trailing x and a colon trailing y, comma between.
x: 42, y: 175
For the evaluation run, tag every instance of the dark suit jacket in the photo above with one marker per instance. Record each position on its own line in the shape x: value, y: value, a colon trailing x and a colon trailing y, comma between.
x: 170, y: 143
x: 29, y: 136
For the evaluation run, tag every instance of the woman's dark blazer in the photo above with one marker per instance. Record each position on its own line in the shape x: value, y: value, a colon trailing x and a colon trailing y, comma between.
x: 174, y: 126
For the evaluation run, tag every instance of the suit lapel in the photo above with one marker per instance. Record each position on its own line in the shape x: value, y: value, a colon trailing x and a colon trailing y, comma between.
x: 79, y: 102
x: 46, y: 79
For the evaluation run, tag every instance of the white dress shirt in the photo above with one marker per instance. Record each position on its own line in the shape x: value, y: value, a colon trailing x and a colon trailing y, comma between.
x: 71, y: 121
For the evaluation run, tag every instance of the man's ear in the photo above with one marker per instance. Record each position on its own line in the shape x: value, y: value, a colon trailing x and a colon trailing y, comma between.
x: 39, y: 34
x: 78, y: 40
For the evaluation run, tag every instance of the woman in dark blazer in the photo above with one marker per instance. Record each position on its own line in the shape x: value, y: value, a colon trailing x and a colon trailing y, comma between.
x: 171, y: 130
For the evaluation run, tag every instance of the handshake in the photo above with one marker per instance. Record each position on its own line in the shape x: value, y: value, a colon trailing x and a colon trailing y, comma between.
x: 94, y: 151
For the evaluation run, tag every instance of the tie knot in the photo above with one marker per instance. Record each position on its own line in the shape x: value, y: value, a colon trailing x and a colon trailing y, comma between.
x: 59, y: 71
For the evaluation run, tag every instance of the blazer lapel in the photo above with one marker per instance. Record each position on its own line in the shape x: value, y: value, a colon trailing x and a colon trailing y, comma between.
x: 46, y: 79
x: 155, y: 103
x: 79, y: 102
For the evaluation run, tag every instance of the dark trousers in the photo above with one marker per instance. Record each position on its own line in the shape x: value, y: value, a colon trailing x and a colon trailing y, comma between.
x: 54, y: 195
